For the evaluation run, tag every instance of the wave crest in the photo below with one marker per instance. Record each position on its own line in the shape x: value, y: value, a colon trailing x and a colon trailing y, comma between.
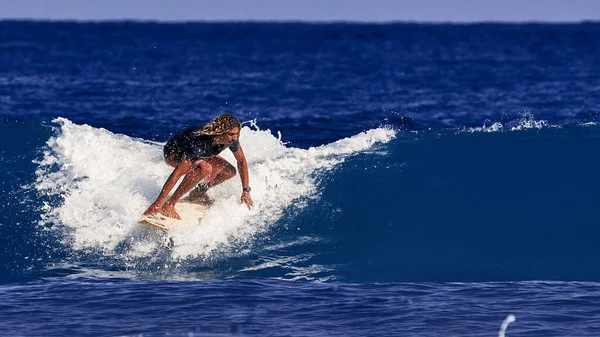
x: 104, y: 182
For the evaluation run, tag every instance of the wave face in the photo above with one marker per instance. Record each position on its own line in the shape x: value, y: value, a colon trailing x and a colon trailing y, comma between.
x: 380, y: 206
x: 408, y: 179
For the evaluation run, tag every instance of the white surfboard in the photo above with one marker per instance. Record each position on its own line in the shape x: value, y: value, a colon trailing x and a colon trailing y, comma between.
x: 191, y: 215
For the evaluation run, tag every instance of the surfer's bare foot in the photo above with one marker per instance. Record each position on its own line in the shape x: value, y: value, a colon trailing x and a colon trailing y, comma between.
x: 152, y: 210
x: 168, y: 210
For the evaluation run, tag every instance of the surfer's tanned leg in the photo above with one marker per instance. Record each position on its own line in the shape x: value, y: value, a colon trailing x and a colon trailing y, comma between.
x: 221, y: 171
x: 202, y: 170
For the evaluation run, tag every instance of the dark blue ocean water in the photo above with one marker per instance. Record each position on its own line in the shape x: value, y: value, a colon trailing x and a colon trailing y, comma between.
x: 408, y: 179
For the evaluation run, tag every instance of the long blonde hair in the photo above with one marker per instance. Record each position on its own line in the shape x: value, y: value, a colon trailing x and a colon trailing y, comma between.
x: 220, y: 125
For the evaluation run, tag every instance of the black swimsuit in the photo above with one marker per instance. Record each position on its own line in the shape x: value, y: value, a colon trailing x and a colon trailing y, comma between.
x: 195, y: 146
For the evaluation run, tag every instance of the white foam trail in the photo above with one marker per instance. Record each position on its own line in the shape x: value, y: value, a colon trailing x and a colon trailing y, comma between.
x: 527, y: 122
x: 530, y: 123
x: 107, y: 180
x: 509, y: 319
x: 495, y: 127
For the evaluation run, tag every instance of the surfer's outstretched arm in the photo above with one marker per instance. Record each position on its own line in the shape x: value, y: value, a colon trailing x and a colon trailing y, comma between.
x: 242, y: 165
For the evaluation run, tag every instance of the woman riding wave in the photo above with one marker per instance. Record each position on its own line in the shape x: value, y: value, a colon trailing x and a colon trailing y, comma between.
x: 194, y: 153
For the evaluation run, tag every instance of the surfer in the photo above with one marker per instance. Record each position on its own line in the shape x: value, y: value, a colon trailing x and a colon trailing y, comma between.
x: 194, y: 153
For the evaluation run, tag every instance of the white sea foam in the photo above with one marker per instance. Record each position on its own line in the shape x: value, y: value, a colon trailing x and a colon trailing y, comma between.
x: 509, y: 319
x: 106, y: 180
x: 527, y: 122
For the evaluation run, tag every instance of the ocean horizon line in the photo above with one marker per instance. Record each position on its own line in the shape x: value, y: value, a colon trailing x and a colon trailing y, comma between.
x: 298, y: 21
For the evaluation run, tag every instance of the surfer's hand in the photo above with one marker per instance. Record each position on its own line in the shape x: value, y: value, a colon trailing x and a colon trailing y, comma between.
x: 246, y: 199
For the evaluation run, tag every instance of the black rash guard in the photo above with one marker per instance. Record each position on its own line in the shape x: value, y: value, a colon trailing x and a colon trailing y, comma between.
x: 195, y: 146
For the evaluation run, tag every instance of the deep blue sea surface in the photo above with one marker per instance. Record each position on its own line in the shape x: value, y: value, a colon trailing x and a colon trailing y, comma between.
x: 408, y: 179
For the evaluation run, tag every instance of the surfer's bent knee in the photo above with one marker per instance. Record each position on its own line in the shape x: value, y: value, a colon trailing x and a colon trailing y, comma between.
x: 233, y: 171
x: 203, y: 165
